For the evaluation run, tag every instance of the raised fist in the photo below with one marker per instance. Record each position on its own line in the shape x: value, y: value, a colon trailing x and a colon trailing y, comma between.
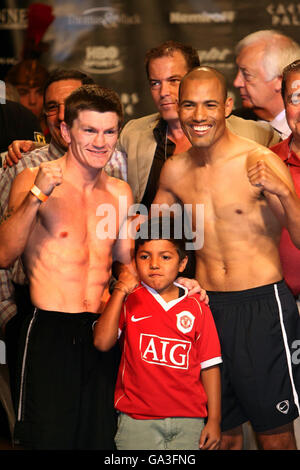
x: 48, y: 176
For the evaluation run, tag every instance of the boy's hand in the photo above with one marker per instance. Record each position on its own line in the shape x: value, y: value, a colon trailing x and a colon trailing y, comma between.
x: 210, y: 438
x: 127, y: 281
x: 193, y: 287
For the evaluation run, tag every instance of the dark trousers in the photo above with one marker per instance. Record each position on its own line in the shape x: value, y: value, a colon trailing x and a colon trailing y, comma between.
x: 66, y: 387
x: 12, y: 333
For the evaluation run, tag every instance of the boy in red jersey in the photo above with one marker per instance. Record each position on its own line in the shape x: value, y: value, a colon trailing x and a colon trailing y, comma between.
x: 169, y: 380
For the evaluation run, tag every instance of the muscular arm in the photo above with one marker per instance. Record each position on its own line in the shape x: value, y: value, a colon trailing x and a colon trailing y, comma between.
x: 20, y: 217
x: 165, y: 194
x: 123, y: 251
x: 18, y: 220
x: 268, y: 172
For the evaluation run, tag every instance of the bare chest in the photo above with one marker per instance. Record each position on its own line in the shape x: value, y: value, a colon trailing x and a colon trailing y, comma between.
x: 78, y: 219
x: 225, y: 198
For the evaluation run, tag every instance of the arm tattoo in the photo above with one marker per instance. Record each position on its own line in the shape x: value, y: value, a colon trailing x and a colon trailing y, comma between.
x: 6, y: 215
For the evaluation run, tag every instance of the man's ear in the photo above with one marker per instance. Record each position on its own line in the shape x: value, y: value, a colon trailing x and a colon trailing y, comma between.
x: 228, y: 106
x: 65, y: 132
x: 278, y: 83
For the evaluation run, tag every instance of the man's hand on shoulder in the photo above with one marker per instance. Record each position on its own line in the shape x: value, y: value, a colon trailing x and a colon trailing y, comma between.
x: 15, y: 150
x: 193, y: 287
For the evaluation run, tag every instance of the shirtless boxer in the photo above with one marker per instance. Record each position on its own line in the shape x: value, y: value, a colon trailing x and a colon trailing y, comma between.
x: 247, y: 194
x: 66, y: 389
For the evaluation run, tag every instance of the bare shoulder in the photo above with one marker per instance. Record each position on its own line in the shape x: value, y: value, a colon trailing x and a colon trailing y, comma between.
x: 118, y: 187
x: 175, y: 165
x: 260, y: 153
x: 21, y: 186
x: 253, y: 152
x: 25, y: 177
x: 29, y: 174
x: 171, y: 178
x: 272, y: 160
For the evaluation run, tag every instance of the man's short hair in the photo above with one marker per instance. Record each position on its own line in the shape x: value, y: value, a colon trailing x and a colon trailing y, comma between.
x: 293, y: 67
x: 167, y: 49
x: 65, y: 74
x: 206, y: 68
x: 280, y: 50
x: 92, y: 98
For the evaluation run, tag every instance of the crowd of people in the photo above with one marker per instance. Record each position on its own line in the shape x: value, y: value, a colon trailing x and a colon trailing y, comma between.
x: 107, y: 347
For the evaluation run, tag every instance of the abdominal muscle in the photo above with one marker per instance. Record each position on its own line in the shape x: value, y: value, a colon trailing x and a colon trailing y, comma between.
x: 69, y: 280
x: 238, y: 267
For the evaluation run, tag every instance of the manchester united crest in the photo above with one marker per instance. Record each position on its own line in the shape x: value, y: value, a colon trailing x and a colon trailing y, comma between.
x: 185, y: 321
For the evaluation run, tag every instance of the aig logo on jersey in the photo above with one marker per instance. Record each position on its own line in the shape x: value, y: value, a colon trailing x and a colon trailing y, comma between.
x: 185, y: 321
x: 168, y: 352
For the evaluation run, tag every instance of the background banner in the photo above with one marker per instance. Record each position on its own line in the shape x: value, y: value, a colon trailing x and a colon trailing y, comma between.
x: 108, y: 39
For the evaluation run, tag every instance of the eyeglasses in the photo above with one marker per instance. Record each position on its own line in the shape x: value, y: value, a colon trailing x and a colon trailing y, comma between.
x: 52, y: 108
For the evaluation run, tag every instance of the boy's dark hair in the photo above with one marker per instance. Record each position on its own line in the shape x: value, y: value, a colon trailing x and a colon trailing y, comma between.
x: 163, y: 228
x: 92, y: 98
x: 167, y: 49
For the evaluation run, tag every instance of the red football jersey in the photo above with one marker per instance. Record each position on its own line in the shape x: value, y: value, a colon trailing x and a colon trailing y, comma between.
x: 165, y: 346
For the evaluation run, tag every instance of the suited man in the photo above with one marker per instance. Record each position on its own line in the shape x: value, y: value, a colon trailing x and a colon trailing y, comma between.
x: 150, y: 140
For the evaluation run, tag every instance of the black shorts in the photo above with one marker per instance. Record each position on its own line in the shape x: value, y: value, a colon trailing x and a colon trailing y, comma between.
x: 259, y: 331
x: 66, y: 389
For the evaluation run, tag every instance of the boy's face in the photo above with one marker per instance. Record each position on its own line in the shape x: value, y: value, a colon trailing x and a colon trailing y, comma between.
x: 158, y: 264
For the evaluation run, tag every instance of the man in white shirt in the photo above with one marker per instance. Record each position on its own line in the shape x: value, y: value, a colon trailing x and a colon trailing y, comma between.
x: 261, y: 56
